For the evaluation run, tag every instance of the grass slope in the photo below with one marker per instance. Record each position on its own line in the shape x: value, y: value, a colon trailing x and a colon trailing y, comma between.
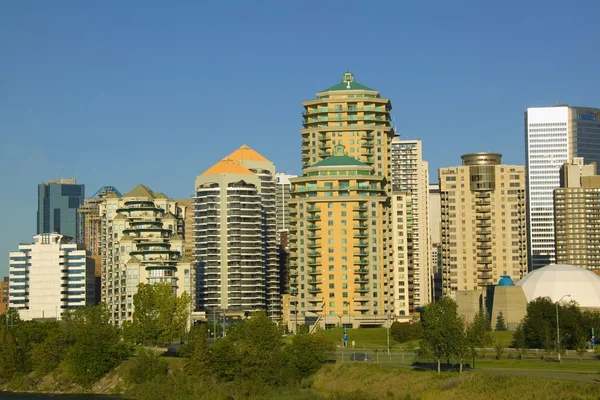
x: 365, y: 382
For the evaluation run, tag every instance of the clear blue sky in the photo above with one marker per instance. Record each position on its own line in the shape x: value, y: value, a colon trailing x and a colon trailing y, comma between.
x: 121, y: 93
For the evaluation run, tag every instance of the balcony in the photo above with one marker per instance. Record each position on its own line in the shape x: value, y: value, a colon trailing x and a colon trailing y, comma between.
x: 361, y: 262
x: 362, y: 289
x: 363, y: 279
x: 313, y: 271
x: 361, y: 271
x: 313, y: 209
x: 314, y: 290
x: 313, y: 218
x: 361, y: 234
x: 363, y: 207
x: 312, y: 227
x: 361, y: 243
x: 360, y: 216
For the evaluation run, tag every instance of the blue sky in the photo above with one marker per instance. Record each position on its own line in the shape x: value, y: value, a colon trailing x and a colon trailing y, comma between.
x: 121, y: 93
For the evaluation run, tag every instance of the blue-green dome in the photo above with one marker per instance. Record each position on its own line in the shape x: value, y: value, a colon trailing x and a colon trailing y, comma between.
x: 506, y: 281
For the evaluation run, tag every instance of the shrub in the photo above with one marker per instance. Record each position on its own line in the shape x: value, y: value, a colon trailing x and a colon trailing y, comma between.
x: 147, y: 366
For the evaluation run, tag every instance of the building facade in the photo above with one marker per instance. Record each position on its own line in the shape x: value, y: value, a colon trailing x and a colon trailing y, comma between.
x: 553, y: 136
x: 410, y: 176
x: 142, y: 242
x: 435, y: 226
x: 4, y: 295
x: 483, y: 231
x: 236, y: 237
x: 577, y: 215
x: 58, y: 207
x: 50, y: 276
x: 284, y: 194
x: 336, y: 246
x: 357, y: 118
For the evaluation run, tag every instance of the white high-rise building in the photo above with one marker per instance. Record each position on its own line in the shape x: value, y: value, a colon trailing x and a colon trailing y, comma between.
x: 235, y: 236
x: 284, y: 193
x: 50, y: 276
x: 553, y: 136
x: 410, y: 175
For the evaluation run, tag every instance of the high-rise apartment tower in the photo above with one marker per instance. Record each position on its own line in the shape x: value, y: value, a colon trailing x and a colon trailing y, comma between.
x: 341, y: 251
x: 410, y: 175
x: 577, y: 215
x: 483, y: 223
x: 235, y: 236
x: 142, y: 242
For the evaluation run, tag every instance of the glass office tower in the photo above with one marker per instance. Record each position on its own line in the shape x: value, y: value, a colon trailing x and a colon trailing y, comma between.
x: 58, y: 205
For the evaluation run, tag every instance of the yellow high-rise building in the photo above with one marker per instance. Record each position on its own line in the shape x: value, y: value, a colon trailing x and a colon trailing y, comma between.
x: 484, y: 234
x: 350, y: 114
x: 336, y: 242
x: 340, y: 233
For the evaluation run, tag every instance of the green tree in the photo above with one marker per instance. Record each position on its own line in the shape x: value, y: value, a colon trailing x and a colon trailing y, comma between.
x: 98, y: 347
x: 404, y: 331
x: 500, y: 324
x: 146, y: 366
x: 441, y: 330
x: 11, y: 356
x: 477, y: 334
x: 307, y: 353
x: 198, y: 352
x: 539, y: 325
x: 520, y: 342
x: 159, y: 317
x: 48, y: 354
x: 252, y: 351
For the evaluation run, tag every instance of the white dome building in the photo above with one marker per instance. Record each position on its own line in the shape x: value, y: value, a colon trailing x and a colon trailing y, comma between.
x: 557, y: 280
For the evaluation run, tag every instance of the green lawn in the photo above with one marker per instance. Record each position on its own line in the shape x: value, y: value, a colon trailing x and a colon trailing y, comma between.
x: 504, y: 337
x: 362, y: 337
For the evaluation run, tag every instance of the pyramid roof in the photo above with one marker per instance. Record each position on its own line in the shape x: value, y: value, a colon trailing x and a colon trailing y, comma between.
x: 228, y: 166
x: 245, y: 153
x: 140, y: 191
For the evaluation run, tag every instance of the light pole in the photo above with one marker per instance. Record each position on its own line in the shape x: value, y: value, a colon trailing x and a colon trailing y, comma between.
x: 557, y: 327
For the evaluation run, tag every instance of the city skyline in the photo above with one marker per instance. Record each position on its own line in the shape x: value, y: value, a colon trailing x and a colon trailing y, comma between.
x: 72, y: 91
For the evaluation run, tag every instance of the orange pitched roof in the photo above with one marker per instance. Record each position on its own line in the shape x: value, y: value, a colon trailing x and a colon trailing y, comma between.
x: 245, y: 153
x: 227, y: 166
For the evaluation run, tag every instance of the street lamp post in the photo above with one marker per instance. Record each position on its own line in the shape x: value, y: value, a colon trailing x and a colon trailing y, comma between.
x: 558, y: 328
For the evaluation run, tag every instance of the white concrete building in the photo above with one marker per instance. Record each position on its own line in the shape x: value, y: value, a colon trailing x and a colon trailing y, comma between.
x: 410, y: 176
x: 553, y: 136
x: 284, y: 193
x: 235, y: 236
x: 50, y: 276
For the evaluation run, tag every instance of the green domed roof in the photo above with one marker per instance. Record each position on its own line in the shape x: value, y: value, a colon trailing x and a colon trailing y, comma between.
x: 348, y: 83
x: 339, y: 159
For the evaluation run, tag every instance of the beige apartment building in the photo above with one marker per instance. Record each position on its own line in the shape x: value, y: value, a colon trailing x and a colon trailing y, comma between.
x: 236, y: 237
x: 577, y: 215
x: 142, y: 236
x: 483, y: 232
x: 435, y: 236
x: 410, y: 183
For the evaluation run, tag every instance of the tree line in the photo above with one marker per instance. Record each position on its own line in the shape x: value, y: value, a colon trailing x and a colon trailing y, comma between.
x: 84, y: 346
